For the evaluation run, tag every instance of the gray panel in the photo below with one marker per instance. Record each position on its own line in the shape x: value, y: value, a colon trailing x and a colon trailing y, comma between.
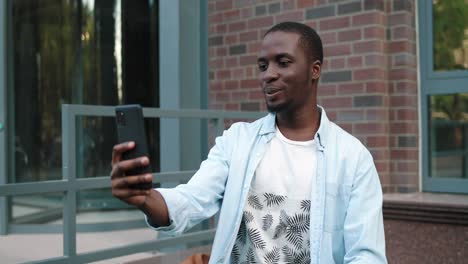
x: 3, y: 115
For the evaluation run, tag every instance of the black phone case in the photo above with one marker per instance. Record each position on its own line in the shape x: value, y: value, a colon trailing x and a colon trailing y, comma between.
x: 131, y: 127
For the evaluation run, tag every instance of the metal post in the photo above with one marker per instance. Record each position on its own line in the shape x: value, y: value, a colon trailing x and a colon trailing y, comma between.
x: 69, y: 173
x: 3, y: 115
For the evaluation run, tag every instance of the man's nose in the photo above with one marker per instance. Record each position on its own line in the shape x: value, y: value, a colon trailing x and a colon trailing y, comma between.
x: 270, y: 74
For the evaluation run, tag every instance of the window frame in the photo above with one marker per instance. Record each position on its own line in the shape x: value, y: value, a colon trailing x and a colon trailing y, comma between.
x: 430, y: 81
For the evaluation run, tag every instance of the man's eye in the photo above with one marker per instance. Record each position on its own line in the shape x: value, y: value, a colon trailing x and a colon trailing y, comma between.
x: 262, y: 66
x: 283, y: 63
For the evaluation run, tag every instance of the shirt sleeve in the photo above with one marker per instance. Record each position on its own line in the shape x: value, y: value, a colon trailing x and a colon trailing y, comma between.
x: 363, y: 228
x: 188, y: 204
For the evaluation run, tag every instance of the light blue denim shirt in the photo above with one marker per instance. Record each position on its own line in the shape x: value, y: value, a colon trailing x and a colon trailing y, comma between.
x: 346, y: 223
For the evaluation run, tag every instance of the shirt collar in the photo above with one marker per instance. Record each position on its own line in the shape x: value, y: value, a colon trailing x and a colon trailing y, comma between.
x: 268, y: 127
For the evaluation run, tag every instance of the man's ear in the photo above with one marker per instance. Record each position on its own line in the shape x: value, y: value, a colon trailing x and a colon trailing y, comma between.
x: 316, y: 69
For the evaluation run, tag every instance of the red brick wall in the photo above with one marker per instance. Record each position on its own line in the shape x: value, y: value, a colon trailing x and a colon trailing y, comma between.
x: 369, y: 78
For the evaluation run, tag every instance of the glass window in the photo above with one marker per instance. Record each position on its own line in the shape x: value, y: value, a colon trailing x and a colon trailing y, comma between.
x: 80, y: 52
x: 449, y: 135
x: 450, y: 22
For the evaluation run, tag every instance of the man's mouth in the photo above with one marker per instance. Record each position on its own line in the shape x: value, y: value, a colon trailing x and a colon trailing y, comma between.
x: 270, y: 91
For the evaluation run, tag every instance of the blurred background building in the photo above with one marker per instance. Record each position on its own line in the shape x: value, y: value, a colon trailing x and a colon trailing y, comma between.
x: 395, y: 75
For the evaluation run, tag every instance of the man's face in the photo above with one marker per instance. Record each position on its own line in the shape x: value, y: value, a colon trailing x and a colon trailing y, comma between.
x: 285, y: 73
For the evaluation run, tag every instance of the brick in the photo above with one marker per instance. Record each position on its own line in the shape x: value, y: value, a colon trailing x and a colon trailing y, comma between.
x: 377, y: 141
x: 373, y: 18
x: 231, y: 84
x: 211, y: 75
x: 399, y: 46
x: 247, y: 60
x: 251, y: 106
x: 297, y: 16
x: 374, y: 32
x: 355, y: 62
x: 338, y: 63
x: 328, y: 38
x: 231, y: 39
x: 253, y: 47
x: 379, y: 154
x: 231, y: 62
x: 351, y: 115
x: 222, y: 97
x: 376, y: 114
x: 260, y: 22
x: 337, y: 50
x: 404, y: 128
x: 407, y: 141
x: 239, y: 96
x: 237, y: 26
x: 216, y: 18
x: 257, y: 95
x: 369, y: 74
x: 374, y: 4
x: 216, y: 63
x: 221, y: 28
x: 248, y: 36
x: 404, y: 154
x: 238, y: 73
x: 368, y: 101
x: 223, y: 5
x: 334, y: 23
x: 231, y: 15
x: 305, y: 3
x: 238, y: 49
x: 250, y: 83
x: 350, y: 35
x: 403, y: 32
x: 337, y: 76
x: 402, y: 5
x: 232, y: 107
x: 320, y: 12
x: 215, y: 41
x: 400, y: 19
x: 274, y: 8
x: 246, y: 13
x: 326, y: 90
x: 216, y: 85
x: 243, y: 3
x: 369, y: 46
x: 408, y: 166
x: 406, y: 88
x: 350, y: 88
x: 288, y: 5
x: 376, y: 87
x: 337, y: 102
x: 402, y: 74
x: 404, y: 60
x: 370, y: 128
x: 375, y: 60
x: 260, y: 10
x: 223, y: 74
x: 221, y: 51
x: 348, y: 8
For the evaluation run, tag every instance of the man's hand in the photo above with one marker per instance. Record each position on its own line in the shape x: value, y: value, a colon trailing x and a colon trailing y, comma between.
x: 128, y: 187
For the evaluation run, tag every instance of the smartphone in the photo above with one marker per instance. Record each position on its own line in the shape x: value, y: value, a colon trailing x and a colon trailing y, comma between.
x: 131, y: 127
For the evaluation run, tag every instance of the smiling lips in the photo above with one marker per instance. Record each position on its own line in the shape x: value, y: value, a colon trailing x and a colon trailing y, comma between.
x: 271, y: 91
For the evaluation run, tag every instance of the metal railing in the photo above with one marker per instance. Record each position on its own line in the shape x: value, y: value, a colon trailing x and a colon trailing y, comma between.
x: 70, y: 184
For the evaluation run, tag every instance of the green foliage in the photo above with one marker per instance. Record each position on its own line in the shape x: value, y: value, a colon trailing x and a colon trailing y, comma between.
x: 450, y: 22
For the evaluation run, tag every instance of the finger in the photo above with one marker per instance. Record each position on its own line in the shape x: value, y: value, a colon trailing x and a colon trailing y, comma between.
x: 119, y: 169
x: 119, y: 149
x: 131, y: 181
x: 128, y: 193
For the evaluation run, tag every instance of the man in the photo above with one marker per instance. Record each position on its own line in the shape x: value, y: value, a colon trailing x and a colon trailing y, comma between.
x: 291, y: 187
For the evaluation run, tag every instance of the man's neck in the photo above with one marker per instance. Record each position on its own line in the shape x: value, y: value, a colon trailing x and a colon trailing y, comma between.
x: 299, y: 125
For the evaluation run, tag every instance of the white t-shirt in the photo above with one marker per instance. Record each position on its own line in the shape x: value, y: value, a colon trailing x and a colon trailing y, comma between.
x: 276, y: 217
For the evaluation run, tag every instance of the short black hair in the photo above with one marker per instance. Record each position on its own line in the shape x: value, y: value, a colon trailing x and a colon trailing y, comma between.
x: 309, y: 39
